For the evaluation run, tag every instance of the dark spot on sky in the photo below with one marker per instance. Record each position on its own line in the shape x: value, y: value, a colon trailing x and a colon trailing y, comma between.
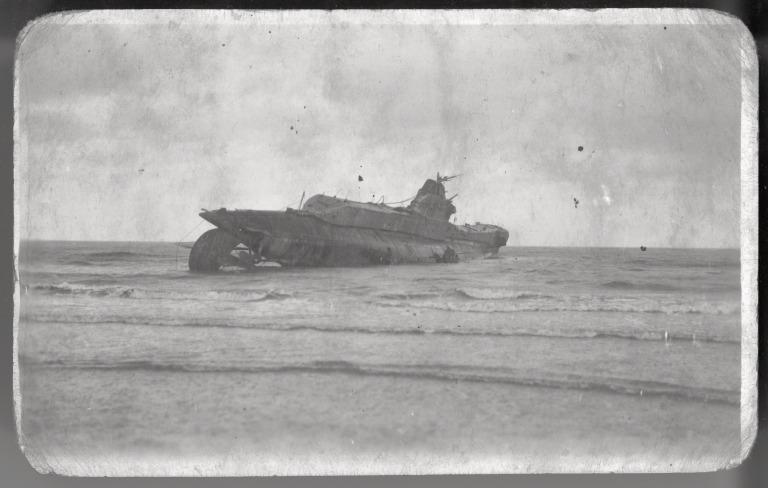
x: 305, y: 107
x: 291, y: 127
x: 581, y: 148
x: 575, y: 202
x: 223, y: 44
x: 270, y: 32
x: 665, y: 27
x: 359, y: 178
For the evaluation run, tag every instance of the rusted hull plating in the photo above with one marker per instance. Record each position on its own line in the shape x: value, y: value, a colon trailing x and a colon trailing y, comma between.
x: 297, y: 238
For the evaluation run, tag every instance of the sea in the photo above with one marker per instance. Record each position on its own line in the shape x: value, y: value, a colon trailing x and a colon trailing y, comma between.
x: 540, y: 359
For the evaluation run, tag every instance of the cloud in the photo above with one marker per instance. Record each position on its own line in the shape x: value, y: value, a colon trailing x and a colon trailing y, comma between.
x: 251, y: 116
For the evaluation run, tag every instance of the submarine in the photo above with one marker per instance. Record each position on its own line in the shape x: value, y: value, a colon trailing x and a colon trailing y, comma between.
x: 330, y: 231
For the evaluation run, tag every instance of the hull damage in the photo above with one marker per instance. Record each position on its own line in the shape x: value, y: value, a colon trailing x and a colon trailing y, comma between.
x: 329, y: 231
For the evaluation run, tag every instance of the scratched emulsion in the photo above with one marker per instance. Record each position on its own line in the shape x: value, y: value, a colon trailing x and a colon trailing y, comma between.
x: 608, y: 129
x: 550, y: 354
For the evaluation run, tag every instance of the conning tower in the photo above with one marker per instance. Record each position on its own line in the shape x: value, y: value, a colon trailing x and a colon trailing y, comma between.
x: 430, y: 201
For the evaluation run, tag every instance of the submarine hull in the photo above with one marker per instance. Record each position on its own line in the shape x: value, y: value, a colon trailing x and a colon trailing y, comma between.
x: 301, y: 238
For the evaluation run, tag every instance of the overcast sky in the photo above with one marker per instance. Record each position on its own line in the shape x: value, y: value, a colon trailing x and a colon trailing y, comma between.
x: 130, y: 129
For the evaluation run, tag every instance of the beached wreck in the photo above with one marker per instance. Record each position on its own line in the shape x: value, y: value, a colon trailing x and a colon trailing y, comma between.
x: 330, y: 231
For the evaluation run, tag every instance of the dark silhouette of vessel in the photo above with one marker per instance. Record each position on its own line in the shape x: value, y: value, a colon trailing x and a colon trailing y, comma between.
x: 330, y: 231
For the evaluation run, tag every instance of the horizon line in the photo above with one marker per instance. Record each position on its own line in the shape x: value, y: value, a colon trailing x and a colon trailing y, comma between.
x: 510, y: 246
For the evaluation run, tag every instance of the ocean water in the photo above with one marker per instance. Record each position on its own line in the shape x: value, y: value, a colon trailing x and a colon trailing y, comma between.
x: 540, y: 359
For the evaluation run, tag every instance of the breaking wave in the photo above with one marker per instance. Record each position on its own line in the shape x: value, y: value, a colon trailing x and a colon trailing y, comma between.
x: 496, y: 294
x: 465, y: 293
x: 245, y: 295
x: 626, y: 285
x: 434, y: 372
x: 575, y: 305
x: 556, y: 333
x: 407, y: 296
x: 75, y: 289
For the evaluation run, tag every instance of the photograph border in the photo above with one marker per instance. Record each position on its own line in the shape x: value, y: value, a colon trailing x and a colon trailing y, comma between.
x: 749, y: 212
